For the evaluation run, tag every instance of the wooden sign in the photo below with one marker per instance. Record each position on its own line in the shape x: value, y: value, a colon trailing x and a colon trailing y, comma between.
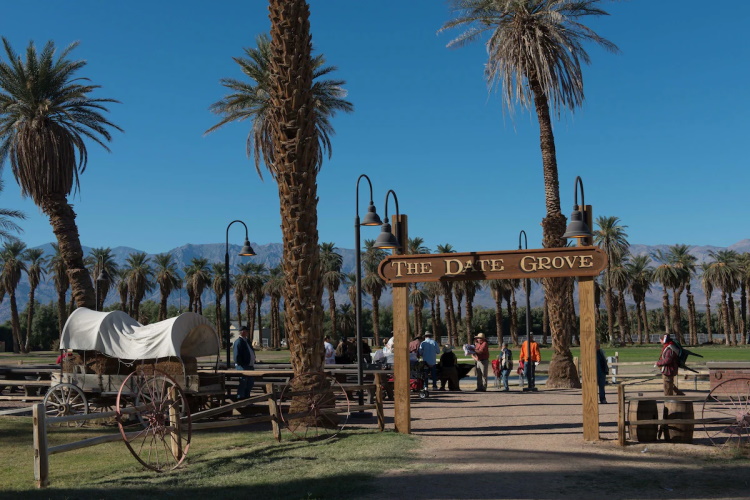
x: 509, y: 264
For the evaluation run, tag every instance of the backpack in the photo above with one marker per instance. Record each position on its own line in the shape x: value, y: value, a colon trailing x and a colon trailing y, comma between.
x: 682, y: 354
x: 508, y: 364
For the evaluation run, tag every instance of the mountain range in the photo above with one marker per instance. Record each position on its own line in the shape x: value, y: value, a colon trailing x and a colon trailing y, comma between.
x: 270, y: 255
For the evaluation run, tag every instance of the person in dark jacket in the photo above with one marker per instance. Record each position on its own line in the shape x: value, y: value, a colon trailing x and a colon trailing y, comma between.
x: 244, y: 359
x: 448, y: 371
x: 668, y: 362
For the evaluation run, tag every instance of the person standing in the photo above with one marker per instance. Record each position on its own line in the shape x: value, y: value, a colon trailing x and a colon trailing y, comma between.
x: 244, y: 359
x: 482, y: 358
x: 530, y: 361
x: 602, y: 369
x: 330, y: 351
x: 668, y: 362
x: 414, y: 349
x: 506, y: 365
x: 448, y: 371
x: 343, y: 353
x: 429, y: 350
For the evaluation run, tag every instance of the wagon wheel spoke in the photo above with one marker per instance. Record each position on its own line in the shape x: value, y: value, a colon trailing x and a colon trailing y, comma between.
x: 66, y: 399
x: 317, y: 407
x: 162, y: 442
x: 729, y: 400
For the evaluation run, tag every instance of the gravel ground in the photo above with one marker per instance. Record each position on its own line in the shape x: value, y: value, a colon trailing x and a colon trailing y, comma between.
x: 530, y: 445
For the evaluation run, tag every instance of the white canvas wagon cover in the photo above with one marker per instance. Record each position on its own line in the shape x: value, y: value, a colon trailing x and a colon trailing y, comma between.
x: 118, y: 335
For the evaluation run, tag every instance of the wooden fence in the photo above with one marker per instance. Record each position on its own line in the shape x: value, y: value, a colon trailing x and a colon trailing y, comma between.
x: 41, y: 423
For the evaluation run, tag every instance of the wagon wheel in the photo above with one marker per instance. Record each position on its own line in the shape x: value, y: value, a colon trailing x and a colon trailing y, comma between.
x: 314, y: 406
x: 155, y: 438
x: 66, y: 399
x: 729, y: 400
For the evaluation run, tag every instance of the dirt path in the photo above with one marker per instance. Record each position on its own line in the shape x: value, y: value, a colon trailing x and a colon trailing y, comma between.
x: 530, y: 445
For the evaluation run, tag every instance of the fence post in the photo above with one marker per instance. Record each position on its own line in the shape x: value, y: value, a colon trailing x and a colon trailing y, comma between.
x: 379, y: 401
x: 41, y: 459
x: 273, y: 410
x: 175, y: 421
x: 621, y: 415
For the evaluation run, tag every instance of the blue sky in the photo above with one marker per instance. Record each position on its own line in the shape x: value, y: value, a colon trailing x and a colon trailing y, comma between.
x: 657, y: 143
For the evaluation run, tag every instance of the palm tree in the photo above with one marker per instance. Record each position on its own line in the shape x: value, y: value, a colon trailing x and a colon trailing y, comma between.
x: 274, y: 288
x: 684, y: 266
x: 102, y: 262
x: 743, y: 261
x: 470, y: 289
x: 139, y: 281
x: 242, y: 290
x: 668, y: 277
x: 611, y: 238
x: 13, y: 266
x: 168, y: 278
x: 291, y: 133
x: 373, y: 284
x: 450, y: 315
x: 534, y: 55
x: 724, y: 275
x: 417, y: 298
x: 199, y: 277
x: 639, y: 274
x: 331, y: 263
x: 708, y: 290
x: 122, y: 289
x: 220, y: 287
x: 347, y: 319
x: 434, y: 290
x: 259, y: 277
x: 60, y: 278
x: 45, y: 115
x: 620, y: 280
x: 510, y: 299
x: 35, y: 272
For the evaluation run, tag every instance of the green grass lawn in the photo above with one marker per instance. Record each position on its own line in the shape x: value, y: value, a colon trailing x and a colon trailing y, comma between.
x: 228, y: 464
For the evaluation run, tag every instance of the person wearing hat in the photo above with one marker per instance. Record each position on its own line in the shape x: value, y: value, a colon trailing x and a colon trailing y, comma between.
x: 244, y: 359
x: 482, y: 358
x: 668, y: 362
x: 448, y: 371
x: 428, y: 350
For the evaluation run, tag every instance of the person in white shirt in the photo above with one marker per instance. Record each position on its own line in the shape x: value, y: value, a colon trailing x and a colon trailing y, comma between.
x: 330, y: 351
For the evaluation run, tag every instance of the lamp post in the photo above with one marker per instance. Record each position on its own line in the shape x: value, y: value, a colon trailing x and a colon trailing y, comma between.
x: 371, y: 219
x: 527, y: 289
x: 580, y: 229
x: 246, y: 251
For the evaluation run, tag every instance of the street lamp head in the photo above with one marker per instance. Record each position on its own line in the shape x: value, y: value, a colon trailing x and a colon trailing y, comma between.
x: 247, y: 250
x: 577, y: 228
x: 386, y: 240
x: 371, y: 218
x: 103, y: 276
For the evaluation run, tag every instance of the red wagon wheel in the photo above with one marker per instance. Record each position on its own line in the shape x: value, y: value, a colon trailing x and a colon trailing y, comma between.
x: 729, y: 401
x: 314, y: 406
x: 159, y: 436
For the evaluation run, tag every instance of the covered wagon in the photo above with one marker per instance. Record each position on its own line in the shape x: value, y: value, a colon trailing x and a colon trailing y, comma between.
x: 101, y: 349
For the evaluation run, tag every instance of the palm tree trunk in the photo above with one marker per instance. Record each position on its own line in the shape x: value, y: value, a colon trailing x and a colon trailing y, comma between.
x: 14, y: 323
x: 691, y: 317
x: 513, y: 312
x: 418, y: 323
x: 621, y: 316
x: 725, y: 316
x: 730, y: 318
x: 239, y: 298
x: 163, y: 306
x: 499, y: 317
x: 644, y: 312
x: 376, y: 318
x: 436, y: 325
x: 638, y: 320
x: 250, y: 313
x: 29, y: 320
x: 511, y: 323
x: 545, y: 323
x: 469, y: 320
x: 709, y: 330
x: 292, y: 119
x: 667, y: 311
x: 62, y: 316
x: 677, y: 313
x: 610, y: 304
x: 332, y: 311
x: 63, y: 221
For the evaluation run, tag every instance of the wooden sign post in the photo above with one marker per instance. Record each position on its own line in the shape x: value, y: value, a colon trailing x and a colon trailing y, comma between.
x: 585, y: 262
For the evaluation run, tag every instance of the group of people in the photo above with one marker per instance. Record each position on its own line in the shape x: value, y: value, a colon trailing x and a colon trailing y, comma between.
x: 345, y: 352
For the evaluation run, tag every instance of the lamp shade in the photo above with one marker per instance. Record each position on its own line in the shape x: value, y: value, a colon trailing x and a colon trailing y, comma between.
x: 371, y: 218
x: 577, y: 228
x: 247, y: 250
x: 103, y: 276
x: 386, y: 239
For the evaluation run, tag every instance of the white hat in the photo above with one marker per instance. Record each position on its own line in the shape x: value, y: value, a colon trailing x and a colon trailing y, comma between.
x: 428, y: 334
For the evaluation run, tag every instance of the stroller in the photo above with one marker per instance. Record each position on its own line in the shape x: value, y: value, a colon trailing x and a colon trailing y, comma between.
x: 419, y: 379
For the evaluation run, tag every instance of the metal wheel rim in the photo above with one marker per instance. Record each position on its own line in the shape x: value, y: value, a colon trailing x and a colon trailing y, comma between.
x: 729, y: 399
x: 316, y: 410
x: 66, y: 399
x: 153, y: 439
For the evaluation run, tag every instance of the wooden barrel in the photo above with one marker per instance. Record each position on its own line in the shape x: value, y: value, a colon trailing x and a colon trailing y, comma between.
x: 679, y: 433
x: 643, y: 410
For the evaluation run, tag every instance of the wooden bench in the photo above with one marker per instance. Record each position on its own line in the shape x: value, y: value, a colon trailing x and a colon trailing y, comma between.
x: 30, y: 389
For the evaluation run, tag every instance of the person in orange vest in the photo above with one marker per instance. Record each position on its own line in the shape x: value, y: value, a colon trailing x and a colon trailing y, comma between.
x: 528, y: 367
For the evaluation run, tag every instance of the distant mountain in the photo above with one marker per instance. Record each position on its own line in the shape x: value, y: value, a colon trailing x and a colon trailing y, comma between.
x: 270, y: 255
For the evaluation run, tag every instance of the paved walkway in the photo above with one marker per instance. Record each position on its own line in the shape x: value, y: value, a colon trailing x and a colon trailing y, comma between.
x: 530, y: 445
